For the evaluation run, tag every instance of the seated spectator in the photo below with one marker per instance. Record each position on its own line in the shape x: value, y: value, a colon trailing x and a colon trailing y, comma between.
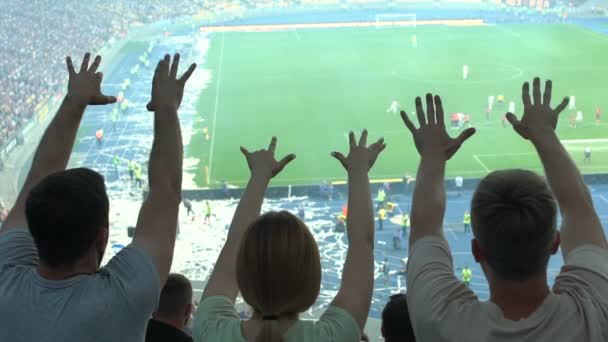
x: 53, y: 240
x: 396, y: 325
x: 514, y: 217
x: 174, y: 310
x: 273, y: 260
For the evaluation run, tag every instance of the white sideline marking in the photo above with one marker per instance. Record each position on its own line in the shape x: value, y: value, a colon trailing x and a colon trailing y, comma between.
x: 481, y: 163
x: 217, y: 101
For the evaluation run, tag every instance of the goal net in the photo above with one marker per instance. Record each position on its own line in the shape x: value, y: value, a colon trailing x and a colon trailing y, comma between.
x: 395, y: 20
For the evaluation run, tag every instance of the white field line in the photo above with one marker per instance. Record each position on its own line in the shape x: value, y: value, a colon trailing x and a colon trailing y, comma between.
x: 481, y: 163
x: 216, y: 106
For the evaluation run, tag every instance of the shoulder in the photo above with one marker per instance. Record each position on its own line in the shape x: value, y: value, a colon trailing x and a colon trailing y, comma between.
x: 584, y: 276
x: 336, y: 324
x: 217, y: 319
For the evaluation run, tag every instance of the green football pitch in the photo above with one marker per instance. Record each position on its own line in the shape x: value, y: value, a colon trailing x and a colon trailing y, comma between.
x: 311, y: 87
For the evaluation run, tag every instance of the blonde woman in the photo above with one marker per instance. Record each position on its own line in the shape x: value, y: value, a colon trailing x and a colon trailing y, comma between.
x: 273, y: 260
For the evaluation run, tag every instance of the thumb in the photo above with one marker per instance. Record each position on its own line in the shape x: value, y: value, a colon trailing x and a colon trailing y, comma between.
x: 286, y: 160
x: 340, y: 158
x: 466, y: 134
x: 512, y: 119
x: 244, y: 151
x: 517, y: 125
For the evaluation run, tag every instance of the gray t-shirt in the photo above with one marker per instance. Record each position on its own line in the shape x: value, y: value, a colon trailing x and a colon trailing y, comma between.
x: 113, y: 304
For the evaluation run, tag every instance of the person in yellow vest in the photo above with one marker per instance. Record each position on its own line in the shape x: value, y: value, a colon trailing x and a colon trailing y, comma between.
x: 405, y: 224
x: 390, y: 209
x: 131, y: 168
x: 467, y: 221
x: 381, y: 217
x: 381, y: 198
x: 466, y: 275
x: 138, y: 174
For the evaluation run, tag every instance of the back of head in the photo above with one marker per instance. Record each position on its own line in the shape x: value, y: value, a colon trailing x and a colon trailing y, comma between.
x: 278, y: 269
x: 65, y: 213
x: 175, y: 301
x: 396, y: 325
x: 513, y: 214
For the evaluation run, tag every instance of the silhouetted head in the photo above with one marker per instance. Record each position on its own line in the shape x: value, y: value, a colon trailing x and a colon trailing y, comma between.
x: 175, y: 303
x: 513, y: 215
x: 278, y: 269
x: 396, y: 325
x: 67, y: 215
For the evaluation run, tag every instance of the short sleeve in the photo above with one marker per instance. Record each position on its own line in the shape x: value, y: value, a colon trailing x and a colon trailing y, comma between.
x: 215, y: 317
x: 584, y: 276
x: 132, y: 272
x: 431, y: 284
x: 17, y: 248
x: 336, y: 324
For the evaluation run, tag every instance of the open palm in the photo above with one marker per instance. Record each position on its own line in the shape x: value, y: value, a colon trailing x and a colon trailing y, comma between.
x: 431, y: 138
x: 538, y: 116
x: 85, y: 85
x: 263, y: 162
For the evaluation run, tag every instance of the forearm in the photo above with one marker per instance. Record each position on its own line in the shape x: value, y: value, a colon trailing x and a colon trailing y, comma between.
x: 562, y: 175
x: 360, y: 218
x: 223, y: 278
x: 53, y: 152
x: 428, y: 203
x: 580, y: 224
x: 166, y: 157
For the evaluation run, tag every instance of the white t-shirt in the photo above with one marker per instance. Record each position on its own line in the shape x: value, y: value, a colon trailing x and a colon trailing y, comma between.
x: 113, y: 304
x: 442, y: 308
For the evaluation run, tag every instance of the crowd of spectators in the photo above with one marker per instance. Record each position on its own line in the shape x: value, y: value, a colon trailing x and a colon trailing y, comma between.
x: 37, y: 34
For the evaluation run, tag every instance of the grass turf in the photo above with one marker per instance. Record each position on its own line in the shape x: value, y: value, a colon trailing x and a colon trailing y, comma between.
x: 310, y: 87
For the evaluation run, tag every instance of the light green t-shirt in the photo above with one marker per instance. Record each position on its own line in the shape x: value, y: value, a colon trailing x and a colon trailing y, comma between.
x: 217, y: 320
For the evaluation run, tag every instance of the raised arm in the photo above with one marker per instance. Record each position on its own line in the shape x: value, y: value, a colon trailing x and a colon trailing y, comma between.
x: 157, y: 222
x: 436, y: 147
x: 580, y: 224
x: 357, y: 284
x: 53, y: 152
x: 263, y: 167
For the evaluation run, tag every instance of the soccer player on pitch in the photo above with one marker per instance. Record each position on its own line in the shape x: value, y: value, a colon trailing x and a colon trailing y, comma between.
x: 465, y: 72
x: 587, y: 153
x: 572, y: 103
x: 598, y: 115
x: 490, y: 102
x: 393, y: 108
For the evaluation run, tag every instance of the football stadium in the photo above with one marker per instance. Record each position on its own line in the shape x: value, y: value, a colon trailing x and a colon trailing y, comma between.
x: 308, y: 72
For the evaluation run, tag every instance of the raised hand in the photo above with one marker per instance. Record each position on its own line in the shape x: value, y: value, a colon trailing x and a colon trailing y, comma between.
x: 360, y: 156
x: 538, y: 117
x: 431, y: 138
x: 85, y: 86
x: 167, y: 89
x: 263, y: 163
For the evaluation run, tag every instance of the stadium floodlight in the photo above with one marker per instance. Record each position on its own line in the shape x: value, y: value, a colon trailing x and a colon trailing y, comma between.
x: 393, y: 20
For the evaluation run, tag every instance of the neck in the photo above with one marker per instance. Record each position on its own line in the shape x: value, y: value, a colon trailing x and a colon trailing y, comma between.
x: 177, y: 323
x: 519, y: 299
x: 83, y: 266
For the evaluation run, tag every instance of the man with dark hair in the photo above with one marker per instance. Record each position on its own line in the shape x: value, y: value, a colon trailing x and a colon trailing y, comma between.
x: 514, y: 219
x: 173, y: 314
x: 54, y: 238
x: 396, y: 325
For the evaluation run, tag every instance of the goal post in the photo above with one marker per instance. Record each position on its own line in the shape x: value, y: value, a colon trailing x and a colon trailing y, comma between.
x: 396, y: 20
